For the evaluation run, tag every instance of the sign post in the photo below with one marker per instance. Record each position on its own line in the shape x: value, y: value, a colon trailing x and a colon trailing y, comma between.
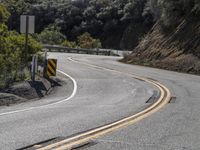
x: 27, y: 26
x: 26, y: 36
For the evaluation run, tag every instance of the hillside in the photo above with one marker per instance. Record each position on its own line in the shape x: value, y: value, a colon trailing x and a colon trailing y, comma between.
x: 115, y: 22
x: 175, y: 46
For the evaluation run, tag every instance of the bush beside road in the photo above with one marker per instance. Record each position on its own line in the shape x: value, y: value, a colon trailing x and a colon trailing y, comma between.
x: 14, y: 60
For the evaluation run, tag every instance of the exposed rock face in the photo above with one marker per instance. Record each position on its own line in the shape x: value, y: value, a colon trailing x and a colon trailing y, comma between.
x: 174, y: 41
x: 176, y: 48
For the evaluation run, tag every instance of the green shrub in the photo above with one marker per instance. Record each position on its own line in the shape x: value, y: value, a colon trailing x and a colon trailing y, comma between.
x: 51, y: 36
x: 87, y: 41
x: 4, y: 14
x: 14, y: 60
x: 69, y: 44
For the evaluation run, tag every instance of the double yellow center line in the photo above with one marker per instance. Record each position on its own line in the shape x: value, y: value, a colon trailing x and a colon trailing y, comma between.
x: 85, y: 137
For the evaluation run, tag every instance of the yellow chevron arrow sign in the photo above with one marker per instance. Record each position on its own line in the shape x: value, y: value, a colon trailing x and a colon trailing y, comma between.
x: 51, y: 67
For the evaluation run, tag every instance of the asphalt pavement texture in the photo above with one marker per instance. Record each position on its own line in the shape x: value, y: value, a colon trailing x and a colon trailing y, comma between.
x: 103, y: 97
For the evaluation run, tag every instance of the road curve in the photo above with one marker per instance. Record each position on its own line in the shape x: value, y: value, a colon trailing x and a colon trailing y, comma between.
x: 102, y: 97
x: 177, y: 127
x: 86, y: 137
x: 112, y: 96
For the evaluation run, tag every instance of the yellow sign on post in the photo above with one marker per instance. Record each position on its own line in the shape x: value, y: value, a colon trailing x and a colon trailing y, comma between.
x: 51, y: 67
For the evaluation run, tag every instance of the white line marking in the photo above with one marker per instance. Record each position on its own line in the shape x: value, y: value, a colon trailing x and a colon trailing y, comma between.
x: 47, y: 105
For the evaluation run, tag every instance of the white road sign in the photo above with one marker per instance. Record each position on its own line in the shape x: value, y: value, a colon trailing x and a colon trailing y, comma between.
x: 27, y: 23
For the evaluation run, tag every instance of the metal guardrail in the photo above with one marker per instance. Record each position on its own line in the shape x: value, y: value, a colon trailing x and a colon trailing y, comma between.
x: 55, y: 48
x: 107, y: 52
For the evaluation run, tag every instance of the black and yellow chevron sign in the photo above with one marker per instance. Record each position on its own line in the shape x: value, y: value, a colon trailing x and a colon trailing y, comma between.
x: 51, y: 67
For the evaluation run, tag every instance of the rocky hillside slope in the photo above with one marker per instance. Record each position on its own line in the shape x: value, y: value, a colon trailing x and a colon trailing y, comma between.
x: 175, y: 47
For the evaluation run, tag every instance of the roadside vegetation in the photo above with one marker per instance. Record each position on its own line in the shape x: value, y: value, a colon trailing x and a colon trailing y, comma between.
x: 14, y: 61
x: 53, y: 36
x: 83, y: 41
x: 87, y: 41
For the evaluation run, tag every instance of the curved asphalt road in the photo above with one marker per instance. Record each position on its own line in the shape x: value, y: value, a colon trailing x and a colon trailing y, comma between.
x: 176, y: 127
x: 104, y: 97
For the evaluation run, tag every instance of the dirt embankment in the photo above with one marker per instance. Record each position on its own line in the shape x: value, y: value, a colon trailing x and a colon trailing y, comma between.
x: 176, y: 48
x: 29, y: 91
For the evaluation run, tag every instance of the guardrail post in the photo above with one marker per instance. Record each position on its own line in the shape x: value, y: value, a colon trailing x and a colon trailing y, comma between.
x: 97, y: 51
x: 33, y: 67
x: 45, y: 65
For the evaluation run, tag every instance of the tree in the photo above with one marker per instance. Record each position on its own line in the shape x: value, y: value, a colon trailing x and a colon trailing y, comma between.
x: 87, y: 41
x: 69, y: 44
x: 16, y: 8
x: 51, y: 36
x: 196, y: 7
x: 4, y: 14
x: 98, y: 17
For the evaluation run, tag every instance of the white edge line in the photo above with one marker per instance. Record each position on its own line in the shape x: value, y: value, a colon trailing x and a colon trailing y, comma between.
x: 61, y: 101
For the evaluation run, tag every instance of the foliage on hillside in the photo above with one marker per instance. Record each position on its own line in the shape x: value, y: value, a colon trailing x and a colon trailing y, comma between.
x: 13, y: 61
x: 51, y: 36
x: 171, y: 12
x: 86, y: 41
x: 103, y: 19
x: 69, y: 44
